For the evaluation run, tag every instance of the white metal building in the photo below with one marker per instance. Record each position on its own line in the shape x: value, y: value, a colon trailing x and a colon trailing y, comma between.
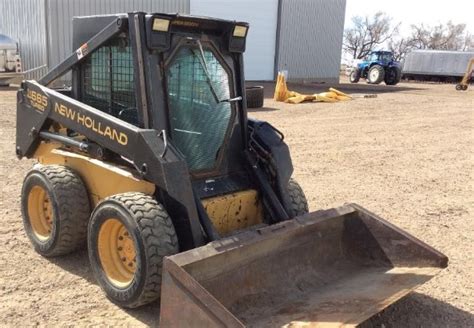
x: 303, y: 37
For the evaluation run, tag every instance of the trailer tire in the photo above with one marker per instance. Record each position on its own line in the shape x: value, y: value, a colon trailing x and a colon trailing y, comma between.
x: 55, y: 209
x: 129, y: 234
x: 393, y: 76
x: 354, y: 77
x: 376, y: 74
x: 255, y: 96
x: 299, y: 203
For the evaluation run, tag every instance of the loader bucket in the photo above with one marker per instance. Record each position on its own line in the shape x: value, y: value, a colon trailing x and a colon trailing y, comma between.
x: 328, y: 268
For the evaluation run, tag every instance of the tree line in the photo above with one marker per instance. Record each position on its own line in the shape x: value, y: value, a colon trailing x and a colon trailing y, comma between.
x: 370, y: 32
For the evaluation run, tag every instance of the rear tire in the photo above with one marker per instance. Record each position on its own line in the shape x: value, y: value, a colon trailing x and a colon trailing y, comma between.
x: 129, y: 235
x: 393, y: 76
x: 55, y: 209
x: 355, y: 76
x: 376, y: 74
x: 299, y: 203
x: 255, y: 96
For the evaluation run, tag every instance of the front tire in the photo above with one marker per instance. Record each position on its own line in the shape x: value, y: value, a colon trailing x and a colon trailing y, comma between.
x: 376, y: 74
x: 299, y: 203
x: 129, y: 235
x: 55, y: 209
x: 355, y: 76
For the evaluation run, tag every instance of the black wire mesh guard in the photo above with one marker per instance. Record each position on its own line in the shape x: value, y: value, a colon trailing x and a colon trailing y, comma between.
x: 108, y: 81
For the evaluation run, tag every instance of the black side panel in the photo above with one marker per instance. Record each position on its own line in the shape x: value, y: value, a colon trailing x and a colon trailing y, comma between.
x: 86, y: 27
x: 275, y: 154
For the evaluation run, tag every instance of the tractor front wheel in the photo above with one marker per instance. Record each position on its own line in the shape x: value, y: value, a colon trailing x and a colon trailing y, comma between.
x: 376, y: 74
x: 129, y: 235
x: 355, y: 76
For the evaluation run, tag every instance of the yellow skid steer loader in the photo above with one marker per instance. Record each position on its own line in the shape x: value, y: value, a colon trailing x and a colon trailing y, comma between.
x: 149, y: 158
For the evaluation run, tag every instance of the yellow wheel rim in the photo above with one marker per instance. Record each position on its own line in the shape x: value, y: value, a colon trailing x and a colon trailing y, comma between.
x: 117, y: 253
x: 40, y: 213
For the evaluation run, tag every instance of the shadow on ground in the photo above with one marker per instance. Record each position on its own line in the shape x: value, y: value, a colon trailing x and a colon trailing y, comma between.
x: 311, y: 88
x: 261, y: 109
x: 419, y: 310
x: 8, y: 88
x: 77, y: 263
x: 414, y: 310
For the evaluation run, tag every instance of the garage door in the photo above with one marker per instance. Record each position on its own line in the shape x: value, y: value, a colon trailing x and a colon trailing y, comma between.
x: 262, y: 17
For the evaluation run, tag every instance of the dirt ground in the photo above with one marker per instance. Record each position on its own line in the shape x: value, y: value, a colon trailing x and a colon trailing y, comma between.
x: 407, y: 155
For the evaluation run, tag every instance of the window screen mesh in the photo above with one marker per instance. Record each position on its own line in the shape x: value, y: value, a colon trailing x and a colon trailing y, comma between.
x: 198, y: 122
x: 108, y: 82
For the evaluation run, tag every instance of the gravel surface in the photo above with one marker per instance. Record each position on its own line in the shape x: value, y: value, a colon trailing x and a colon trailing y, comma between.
x: 406, y: 155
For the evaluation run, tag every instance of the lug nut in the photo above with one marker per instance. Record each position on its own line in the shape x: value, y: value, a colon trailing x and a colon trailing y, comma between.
x: 120, y: 248
x: 120, y: 238
x: 124, y: 259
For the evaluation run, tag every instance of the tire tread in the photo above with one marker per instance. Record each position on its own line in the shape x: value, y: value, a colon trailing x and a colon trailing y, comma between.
x: 159, y: 237
x: 73, y: 206
x: 299, y: 203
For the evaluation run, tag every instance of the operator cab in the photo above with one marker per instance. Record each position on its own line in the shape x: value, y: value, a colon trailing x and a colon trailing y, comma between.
x: 182, y: 76
x: 191, y: 69
x: 380, y: 56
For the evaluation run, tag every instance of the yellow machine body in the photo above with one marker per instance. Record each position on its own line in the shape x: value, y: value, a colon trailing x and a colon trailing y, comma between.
x: 102, y: 179
x: 234, y: 211
x: 228, y: 213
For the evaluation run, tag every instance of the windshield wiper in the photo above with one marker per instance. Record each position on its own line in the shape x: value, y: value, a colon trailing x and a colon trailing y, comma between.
x: 202, y: 60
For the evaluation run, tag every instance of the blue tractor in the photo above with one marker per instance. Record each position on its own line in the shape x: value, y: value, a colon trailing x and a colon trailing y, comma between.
x: 378, y: 66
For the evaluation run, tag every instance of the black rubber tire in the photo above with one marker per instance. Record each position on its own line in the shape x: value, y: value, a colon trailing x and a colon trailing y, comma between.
x: 154, y: 238
x: 464, y: 87
x: 393, y: 76
x: 380, y: 76
x: 354, y: 77
x: 70, y: 208
x: 255, y: 96
x: 458, y: 87
x: 299, y: 203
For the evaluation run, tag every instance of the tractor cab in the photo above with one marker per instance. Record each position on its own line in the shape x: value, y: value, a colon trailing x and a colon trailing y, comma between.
x: 382, y: 57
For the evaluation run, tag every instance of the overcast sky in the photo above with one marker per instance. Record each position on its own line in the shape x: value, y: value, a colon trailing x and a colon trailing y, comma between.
x: 416, y: 11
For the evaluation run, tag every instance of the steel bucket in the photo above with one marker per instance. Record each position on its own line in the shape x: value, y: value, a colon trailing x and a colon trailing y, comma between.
x: 330, y: 268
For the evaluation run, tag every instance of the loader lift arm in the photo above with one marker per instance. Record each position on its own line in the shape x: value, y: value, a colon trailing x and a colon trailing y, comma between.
x: 115, y: 27
x: 38, y: 107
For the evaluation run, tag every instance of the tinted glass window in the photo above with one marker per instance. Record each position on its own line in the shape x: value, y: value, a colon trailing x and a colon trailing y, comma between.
x: 198, y: 120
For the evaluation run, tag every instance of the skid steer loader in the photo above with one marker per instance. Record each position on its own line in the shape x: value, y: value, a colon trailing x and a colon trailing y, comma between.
x: 150, y: 159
